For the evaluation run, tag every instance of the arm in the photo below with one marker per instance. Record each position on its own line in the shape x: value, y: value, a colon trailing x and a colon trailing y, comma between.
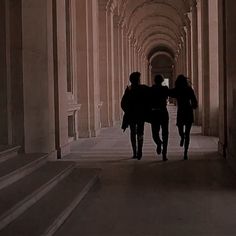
x: 124, y: 100
x: 172, y: 93
x: 193, y: 98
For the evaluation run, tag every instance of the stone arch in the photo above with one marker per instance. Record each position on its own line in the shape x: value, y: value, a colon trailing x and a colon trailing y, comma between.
x: 157, y: 29
x: 154, y: 43
x: 168, y: 8
x: 157, y: 35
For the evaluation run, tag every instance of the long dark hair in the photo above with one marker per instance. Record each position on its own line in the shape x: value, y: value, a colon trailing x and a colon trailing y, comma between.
x: 181, y: 82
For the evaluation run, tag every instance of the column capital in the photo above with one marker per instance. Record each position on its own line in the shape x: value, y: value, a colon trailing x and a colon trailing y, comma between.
x: 130, y: 36
x: 193, y: 5
x: 134, y: 41
x: 111, y: 6
x: 102, y: 5
x: 188, y: 22
x: 121, y: 22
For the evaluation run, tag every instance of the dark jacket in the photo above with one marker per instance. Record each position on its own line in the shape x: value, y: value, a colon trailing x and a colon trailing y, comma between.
x: 186, y: 102
x: 159, y: 96
x: 135, y: 102
x: 158, y: 100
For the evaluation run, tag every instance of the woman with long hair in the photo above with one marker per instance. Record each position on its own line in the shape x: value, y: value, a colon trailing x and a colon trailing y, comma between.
x: 186, y: 102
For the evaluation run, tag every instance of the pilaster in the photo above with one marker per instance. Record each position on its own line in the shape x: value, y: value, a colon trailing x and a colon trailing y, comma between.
x: 110, y: 63
x: 205, y: 68
x: 103, y: 60
x: 3, y: 80
x: 194, y: 39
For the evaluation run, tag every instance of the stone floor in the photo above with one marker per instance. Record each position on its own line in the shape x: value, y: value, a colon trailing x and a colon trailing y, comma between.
x: 150, y: 197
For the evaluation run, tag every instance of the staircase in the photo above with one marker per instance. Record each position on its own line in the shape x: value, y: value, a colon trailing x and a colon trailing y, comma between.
x: 37, y: 195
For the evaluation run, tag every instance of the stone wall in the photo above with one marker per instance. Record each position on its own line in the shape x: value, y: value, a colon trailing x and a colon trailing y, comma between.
x: 230, y: 6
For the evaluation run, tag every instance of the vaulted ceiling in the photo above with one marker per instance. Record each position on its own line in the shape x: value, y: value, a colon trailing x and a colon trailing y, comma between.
x: 155, y: 25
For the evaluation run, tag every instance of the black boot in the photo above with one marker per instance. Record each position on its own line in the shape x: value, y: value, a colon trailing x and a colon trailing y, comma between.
x: 158, y: 149
x: 164, y: 158
x: 140, y: 147
x: 133, y: 143
x: 186, y: 145
x: 186, y: 154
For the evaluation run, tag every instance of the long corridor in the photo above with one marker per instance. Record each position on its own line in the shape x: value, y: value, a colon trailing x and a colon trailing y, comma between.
x: 114, y: 145
x: 150, y: 197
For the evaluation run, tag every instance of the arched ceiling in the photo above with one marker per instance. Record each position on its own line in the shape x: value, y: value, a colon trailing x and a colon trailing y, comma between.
x: 155, y: 25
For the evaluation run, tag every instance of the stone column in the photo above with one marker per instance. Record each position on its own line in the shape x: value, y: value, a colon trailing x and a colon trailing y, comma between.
x: 200, y: 79
x: 181, y: 60
x: 117, y: 74
x: 60, y: 77
x: 132, y: 54
x: 83, y: 82
x: 141, y: 61
x: 189, y: 51
x: 122, y: 57
x: 120, y: 65
x: 103, y: 60
x: 3, y: 81
x: 214, y: 67
x: 146, y: 76
x: 205, y: 68
x: 14, y: 60
x: 87, y: 65
x: 150, y: 79
x: 195, y: 55
x: 129, y: 55
x: 184, y: 54
x: 44, y: 69
x: 93, y: 70
x: 229, y: 7
x: 126, y: 57
x: 135, y: 64
x: 223, y: 129
x: 177, y: 64
x: 110, y: 64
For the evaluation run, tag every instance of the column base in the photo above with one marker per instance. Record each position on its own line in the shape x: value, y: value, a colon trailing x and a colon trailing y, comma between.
x: 222, y: 149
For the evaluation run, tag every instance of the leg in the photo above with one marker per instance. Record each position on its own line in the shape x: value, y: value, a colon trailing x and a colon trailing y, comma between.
x: 181, y: 134
x: 187, y: 140
x: 140, y: 131
x: 133, y: 133
x: 165, y: 135
x: 155, y: 135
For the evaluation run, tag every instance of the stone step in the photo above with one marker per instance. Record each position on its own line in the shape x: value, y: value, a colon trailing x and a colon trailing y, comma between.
x: 7, y: 152
x: 46, y: 216
x: 19, y: 166
x: 19, y: 196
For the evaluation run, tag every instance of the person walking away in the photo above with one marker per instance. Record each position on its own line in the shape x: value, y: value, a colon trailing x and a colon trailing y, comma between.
x: 134, y: 104
x: 186, y: 102
x: 160, y: 115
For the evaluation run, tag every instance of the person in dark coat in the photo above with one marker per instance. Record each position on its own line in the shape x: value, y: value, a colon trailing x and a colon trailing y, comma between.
x: 134, y: 104
x: 159, y: 115
x: 186, y: 102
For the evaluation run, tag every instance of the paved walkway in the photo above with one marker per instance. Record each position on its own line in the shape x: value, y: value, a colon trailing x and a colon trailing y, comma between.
x: 112, y: 144
x: 150, y: 197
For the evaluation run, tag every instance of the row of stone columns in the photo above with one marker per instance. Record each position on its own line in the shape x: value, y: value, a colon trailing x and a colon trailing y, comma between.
x: 198, y: 59
x: 35, y: 102
x: 32, y: 82
x: 119, y: 55
x: 33, y: 43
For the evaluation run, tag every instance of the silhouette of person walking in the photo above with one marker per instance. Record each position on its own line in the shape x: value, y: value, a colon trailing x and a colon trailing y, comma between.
x: 186, y: 102
x: 134, y: 104
x: 159, y: 115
